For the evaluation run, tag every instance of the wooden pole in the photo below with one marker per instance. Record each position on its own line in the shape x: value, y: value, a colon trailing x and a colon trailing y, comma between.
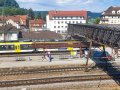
x: 81, y: 53
x: 88, y: 56
x: 104, y: 55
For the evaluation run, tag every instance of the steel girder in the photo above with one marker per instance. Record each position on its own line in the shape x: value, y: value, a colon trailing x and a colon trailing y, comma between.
x: 104, y: 34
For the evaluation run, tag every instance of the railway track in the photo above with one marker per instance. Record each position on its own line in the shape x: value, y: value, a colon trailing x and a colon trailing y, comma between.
x: 35, y: 70
x: 58, y: 80
x: 5, y: 72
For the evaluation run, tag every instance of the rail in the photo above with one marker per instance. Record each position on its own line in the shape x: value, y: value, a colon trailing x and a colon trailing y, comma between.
x: 57, y: 80
x: 35, y: 70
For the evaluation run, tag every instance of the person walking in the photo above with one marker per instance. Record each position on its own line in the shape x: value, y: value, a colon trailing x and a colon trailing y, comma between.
x: 49, y: 56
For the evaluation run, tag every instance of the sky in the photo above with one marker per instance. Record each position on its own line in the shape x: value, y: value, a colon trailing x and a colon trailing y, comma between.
x: 89, y: 5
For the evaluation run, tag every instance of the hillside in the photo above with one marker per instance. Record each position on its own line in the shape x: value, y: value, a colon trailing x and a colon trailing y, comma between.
x: 11, y: 7
x: 42, y: 14
x: 9, y: 3
x: 93, y: 15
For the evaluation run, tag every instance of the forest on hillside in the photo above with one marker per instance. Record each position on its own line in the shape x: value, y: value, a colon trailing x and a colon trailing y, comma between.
x: 11, y: 7
x: 9, y: 3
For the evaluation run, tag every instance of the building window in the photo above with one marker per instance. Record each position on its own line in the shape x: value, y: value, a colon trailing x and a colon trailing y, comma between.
x: 73, y: 22
x: 54, y: 26
x: 61, y: 21
x: 76, y: 22
x: 58, y: 22
x: 58, y: 26
x: 81, y: 17
x: 118, y: 11
x: 61, y: 26
x: 113, y: 12
x: 58, y: 31
x: 66, y: 22
x: 65, y: 26
x: 78, y: 17
x: 56, y: 17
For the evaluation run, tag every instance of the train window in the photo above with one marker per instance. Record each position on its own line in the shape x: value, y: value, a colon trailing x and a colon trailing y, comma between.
x: 6, y: 47
x: 25, y: 47
x: 1, y: 47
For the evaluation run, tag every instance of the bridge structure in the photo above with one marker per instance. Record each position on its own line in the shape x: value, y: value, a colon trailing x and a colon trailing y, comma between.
x: 104, y: 35
x: 108, y: 35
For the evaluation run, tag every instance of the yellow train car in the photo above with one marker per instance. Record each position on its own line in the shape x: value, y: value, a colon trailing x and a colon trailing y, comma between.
x: 23, y: 47
x: 15, y: 47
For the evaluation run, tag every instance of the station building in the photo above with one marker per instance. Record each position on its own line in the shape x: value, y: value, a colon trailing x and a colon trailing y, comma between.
x: 58, y: 21
x: 111, y: 16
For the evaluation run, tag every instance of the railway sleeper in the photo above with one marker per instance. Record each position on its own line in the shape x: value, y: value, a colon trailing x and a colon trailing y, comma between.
x: 53, y: 80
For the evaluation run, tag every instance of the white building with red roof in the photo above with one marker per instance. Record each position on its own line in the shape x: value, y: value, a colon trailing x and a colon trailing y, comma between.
x: 58, y: 20
x: 36, y: 25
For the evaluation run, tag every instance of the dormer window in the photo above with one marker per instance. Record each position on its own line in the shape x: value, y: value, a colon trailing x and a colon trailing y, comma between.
x: 113, y: 12
x: 118, y: 11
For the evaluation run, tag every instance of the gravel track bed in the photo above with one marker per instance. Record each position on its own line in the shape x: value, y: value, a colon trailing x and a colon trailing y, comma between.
x: 87, y: 85
x: 52, y: 74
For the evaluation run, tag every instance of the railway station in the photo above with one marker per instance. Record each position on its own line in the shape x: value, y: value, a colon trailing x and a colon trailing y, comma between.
x: 59, y: 45
x: 89, y: 51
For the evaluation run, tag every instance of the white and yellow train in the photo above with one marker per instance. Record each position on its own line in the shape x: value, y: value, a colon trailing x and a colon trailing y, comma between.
x: 23, y: 47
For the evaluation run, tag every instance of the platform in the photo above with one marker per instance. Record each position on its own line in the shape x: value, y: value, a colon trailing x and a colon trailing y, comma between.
x: 29, y: 61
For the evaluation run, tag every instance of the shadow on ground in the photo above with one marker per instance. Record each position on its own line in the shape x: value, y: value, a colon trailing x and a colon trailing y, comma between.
x: 110, y: 67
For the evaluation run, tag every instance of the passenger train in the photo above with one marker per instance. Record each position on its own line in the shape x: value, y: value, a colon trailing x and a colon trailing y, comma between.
x: 24, y: 47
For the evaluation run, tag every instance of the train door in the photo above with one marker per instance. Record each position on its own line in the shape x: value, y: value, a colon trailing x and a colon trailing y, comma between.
x: 17, y: 47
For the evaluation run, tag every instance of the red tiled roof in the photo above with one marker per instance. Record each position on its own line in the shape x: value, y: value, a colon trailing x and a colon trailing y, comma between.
x: 41, y: 35
x: 38, y: 22
x: 23, y: 18
x: 16, y: 18
x: 67, y: 13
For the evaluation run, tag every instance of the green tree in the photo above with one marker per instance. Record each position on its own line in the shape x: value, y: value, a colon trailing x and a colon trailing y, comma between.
x: 38, y: 16
x: 28, y: 19
x: 96, y: 21
x: 13, y: 11
x: 31, y: 13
